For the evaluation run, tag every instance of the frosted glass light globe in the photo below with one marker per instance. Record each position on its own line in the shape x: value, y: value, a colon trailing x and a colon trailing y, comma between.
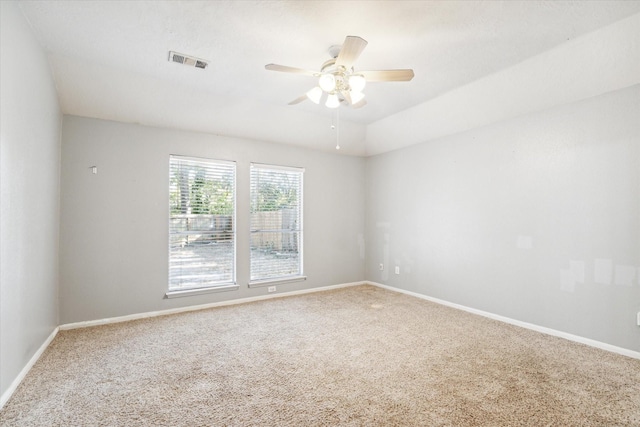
x: 327, y: 82
x: 357, y: 82
x: 333, y: 101
x: 314, y: 95
x: 356, y: 97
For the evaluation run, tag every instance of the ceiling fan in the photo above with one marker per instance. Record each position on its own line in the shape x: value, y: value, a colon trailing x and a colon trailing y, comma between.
x: 338, y: 79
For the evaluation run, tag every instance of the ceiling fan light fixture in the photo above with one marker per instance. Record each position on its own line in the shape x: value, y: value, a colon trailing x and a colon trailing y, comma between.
x: 327, y: 82
x: 357, y: 82
x: 314, y: 95
x: 356, y: 97
x: 339, y: 80
x: 333, y: 101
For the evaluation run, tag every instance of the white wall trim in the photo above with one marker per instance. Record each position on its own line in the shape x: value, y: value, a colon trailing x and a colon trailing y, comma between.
x: 531, y: 326
x: 23, y: 373
x: 145, y: 315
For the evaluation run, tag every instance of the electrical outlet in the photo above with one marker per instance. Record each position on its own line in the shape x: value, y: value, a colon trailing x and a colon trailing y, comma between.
x: 271, y: 289
x: 381, y: 266
x: 397, y: 270
x: 638, y: 319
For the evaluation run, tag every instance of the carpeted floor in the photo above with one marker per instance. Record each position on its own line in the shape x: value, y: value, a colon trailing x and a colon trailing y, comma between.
x: 359, y: 356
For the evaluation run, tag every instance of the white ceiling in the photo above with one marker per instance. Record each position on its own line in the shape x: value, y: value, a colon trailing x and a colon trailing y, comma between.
x: 109, y: 58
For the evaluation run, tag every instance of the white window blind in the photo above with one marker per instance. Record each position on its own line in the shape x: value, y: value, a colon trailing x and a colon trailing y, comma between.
x: 276, y: 222
x: 201, y: 223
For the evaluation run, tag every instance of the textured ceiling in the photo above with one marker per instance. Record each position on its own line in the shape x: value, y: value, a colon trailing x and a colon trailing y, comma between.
x: 109, y: 58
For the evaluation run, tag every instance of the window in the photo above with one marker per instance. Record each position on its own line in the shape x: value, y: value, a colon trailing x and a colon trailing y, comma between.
x: 276, y: 223
x: 201, y: 225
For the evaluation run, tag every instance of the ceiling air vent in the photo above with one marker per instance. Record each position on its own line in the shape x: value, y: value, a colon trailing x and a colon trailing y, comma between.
x: 191, y: 61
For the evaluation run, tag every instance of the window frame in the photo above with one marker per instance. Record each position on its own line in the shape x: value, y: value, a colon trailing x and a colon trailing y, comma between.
x: 221, y: 286
x: 300, y: 230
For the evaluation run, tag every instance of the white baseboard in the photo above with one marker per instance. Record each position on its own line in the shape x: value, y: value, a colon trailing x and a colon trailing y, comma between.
x: 23, y: 373
x: 531, y: 326
x: 136, y: 316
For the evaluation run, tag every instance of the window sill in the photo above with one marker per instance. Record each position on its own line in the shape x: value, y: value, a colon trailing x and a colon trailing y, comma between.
x: 261, y: 283
x: 199, y: 291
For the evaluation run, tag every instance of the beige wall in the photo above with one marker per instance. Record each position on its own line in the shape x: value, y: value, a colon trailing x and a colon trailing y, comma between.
x: 29, y: 196
x: 106, y: 273
x: 535, y: 218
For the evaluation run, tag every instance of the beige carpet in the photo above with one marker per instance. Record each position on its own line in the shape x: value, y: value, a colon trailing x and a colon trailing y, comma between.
x: 358, y: 356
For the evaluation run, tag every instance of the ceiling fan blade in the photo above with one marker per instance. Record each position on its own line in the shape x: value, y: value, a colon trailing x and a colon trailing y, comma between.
x: 286, y: 69
x: 347, y: 96
x: 349, y: 100
x: 387, y: 75
x: 351, y: 50
x: 298, y: 100
x: 359, y: 104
